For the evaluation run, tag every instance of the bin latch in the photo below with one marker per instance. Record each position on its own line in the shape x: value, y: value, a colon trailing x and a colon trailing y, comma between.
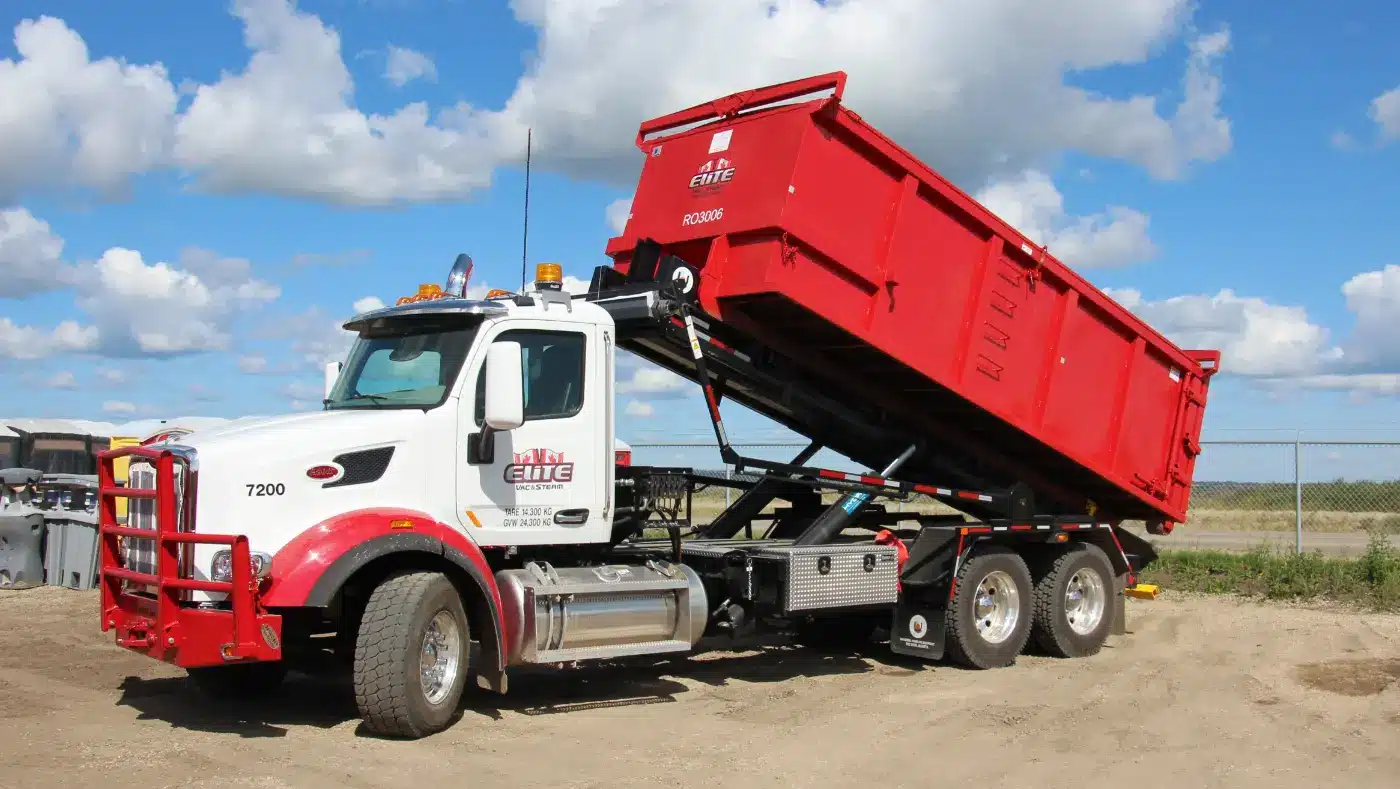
x: 1192, y: 447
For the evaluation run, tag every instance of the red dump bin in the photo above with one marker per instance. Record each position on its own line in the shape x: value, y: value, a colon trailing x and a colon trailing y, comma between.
x: 819, y: 236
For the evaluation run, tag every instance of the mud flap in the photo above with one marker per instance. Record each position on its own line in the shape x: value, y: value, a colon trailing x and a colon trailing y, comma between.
x: 918, y: 630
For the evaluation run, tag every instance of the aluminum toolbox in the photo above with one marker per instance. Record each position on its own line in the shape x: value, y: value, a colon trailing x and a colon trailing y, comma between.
x: 826, y: 577
x: 820, y: 239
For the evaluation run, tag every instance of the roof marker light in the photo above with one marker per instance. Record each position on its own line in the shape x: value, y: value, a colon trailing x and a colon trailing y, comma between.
x: 426, y: 292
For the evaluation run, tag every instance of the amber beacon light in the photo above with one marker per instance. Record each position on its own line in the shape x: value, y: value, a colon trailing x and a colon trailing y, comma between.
x: 549, y: 275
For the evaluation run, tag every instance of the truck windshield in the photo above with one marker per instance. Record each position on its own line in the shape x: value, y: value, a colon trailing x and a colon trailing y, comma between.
x: 405, y: 365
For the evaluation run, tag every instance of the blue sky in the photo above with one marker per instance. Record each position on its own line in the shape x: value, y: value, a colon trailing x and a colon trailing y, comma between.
x: 1223, y: 168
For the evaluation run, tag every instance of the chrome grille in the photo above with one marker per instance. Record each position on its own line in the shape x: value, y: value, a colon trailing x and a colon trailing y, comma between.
x: 139, y: 554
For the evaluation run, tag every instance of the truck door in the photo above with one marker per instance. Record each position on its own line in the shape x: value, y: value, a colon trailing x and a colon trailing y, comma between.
x: 545, y: 482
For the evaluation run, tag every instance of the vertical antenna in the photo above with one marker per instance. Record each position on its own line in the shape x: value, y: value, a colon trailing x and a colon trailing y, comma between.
x: 525, y: 241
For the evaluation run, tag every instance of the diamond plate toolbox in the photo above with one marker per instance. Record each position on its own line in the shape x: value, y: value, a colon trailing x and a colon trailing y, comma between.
x: 833, y: 576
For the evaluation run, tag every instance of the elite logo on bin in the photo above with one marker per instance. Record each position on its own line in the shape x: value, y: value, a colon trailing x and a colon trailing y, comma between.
x: 713, y: 175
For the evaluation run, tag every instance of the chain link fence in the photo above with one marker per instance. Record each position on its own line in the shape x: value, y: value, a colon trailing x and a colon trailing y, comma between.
x: 1328, y: 495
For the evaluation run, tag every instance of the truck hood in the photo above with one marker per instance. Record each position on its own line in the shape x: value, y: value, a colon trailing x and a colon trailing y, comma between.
x: 253, y: 474
x: 302, y: 427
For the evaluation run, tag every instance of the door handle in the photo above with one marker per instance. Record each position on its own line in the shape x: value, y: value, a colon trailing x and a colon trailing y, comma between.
x: 570, y: 517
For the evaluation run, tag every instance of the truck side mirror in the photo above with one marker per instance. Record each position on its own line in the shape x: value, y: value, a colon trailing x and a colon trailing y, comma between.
x: 332, y: 375
x: 504, y: 408
x: 505, y: 387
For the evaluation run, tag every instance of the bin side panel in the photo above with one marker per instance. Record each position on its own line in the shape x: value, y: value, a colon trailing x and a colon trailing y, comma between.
x: 840, y: 205
x: 823, y: 213
x: 1086, y: 377
x: 1006, y: 342
x: 932, y: 264
x: 707, y: 182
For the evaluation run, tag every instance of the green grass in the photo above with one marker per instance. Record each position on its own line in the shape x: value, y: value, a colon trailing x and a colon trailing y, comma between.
x: 1371, y: 580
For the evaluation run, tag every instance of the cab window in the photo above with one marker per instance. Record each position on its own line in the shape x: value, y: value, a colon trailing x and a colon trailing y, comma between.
x: 553, y: 366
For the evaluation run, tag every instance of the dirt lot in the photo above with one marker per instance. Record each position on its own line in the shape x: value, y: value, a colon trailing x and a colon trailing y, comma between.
x: 1203, y: 693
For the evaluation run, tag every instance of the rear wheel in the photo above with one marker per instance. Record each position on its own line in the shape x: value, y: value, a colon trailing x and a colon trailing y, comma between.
x: 989, y: 618
x: 239, y: 680
x: 411, y: 655
x: 1075, y: 604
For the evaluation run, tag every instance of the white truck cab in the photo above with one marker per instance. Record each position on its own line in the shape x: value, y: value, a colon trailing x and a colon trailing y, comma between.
x: 455, y: 430
x: 493, y: 417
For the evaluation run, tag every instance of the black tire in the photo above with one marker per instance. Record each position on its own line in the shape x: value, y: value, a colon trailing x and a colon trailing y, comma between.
x: 965, y: 644
x: 239, y: 680
x: 388, y: 650
x: 1052, y: 628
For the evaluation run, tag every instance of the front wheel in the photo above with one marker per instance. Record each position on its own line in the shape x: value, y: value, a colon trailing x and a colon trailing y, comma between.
x: 989, y: 617
x: 411, y: 655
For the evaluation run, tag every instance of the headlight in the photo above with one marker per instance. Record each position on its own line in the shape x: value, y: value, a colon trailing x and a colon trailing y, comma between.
x: 221, y: 567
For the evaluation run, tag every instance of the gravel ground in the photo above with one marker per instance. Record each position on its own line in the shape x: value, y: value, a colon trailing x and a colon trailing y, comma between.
x: 1203, y: 692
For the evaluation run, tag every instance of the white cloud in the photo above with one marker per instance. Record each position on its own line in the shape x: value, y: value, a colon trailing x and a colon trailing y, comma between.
x: 315, y: 338
x: 118, y: 407
x: 302, y: 391
x: 288, y: 122
x: 617, y: 214
x: 203, y: 394
x: 28, y: 342
x: 30, y: 253
x: 1281, y: 345
x: 368, y: 303
x: 71, y: 120
x: 136, y: 308
x: 575, y: 285
x: 639, y: 409
x: 159, y: 309
x: 653, y: 381
x: 402, y: 66
x: 1031, y: 203
x: 1343, y: 141
x: 1362, y: 384
x: 1385, y: 111
x: 252, y: 364
x: 1374, y: 299
x: 1255, y: 338
x: 919, y: 71
x: 111, y: 376
x: 61, y: 380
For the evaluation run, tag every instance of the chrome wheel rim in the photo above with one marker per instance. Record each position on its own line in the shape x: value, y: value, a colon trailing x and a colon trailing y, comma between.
x: 997, y: 607
x: 1085, y: 601
x: 440, y: 657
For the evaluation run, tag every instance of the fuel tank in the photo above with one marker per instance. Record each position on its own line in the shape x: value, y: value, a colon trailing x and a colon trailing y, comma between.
x: 556, y: 615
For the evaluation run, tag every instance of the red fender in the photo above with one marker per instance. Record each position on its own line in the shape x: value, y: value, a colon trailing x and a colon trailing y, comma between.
x: 310, y: 569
